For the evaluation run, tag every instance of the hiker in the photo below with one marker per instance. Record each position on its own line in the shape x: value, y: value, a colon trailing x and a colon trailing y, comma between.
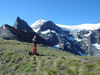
x: 34, y: 45
x: 34, y: 51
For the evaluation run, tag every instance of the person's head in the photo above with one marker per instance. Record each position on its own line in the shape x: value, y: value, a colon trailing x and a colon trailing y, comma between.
x: 35, y: 36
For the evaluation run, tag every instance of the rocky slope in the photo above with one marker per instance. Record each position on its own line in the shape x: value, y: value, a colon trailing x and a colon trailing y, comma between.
x: 20, y: 31
x: 21, y: 25
x: 8, y: 32
x: 87, y: 35
x: 83, y: 39
x: 57, y: 37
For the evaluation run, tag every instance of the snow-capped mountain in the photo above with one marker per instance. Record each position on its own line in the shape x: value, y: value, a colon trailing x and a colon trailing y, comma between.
x: 82, y: 38
x: 36, y: 26
x: 56, y: 36
x: 87, y: 35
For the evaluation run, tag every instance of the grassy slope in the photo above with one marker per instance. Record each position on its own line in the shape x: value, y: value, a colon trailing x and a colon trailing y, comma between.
x: 16, y: 61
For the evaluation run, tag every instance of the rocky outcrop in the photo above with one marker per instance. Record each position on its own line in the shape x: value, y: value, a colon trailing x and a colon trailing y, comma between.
x: 7, y: 32
x: 21, y: 25
x: 88, y: 41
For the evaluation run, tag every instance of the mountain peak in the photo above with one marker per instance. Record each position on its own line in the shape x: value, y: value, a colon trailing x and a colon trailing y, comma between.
x: 18, y: 18
x: 43, y: 20
x: 39, y: 22
x: 42, y: 25
x: 21, y: 25
x: 4, y: 26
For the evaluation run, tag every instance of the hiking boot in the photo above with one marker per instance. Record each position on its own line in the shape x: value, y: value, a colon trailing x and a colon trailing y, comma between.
x: 37, y: 54
x: 30, y: 53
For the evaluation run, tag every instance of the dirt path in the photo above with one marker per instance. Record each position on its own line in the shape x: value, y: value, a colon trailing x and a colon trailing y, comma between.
x: 35, y: 64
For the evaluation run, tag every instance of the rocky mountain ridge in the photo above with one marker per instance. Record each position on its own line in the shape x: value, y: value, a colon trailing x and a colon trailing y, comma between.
x: 86, y: 40
x: 20, y: 31
x: 80, y: 42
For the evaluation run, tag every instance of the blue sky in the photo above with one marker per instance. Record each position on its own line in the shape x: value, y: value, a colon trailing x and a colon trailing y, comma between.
x: 67, y: 12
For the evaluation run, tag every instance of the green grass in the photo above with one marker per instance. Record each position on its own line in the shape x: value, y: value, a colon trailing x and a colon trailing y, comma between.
x: 16, y: 61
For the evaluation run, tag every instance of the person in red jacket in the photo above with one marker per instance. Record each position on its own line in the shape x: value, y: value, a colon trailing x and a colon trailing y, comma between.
x: 34, y: 45
x: 34, y: 51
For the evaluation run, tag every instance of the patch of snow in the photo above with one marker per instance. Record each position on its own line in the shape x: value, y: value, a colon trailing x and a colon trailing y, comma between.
x: 4, y: 27
x: 45, y: 32
x: 53, y: 31
x: 87, y: 44
x: 80, y: 27
x: 56, y: 46
x: 96, y: 45
x: 36, y: 30
x: 88, y: 34
x: 78, y: 39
